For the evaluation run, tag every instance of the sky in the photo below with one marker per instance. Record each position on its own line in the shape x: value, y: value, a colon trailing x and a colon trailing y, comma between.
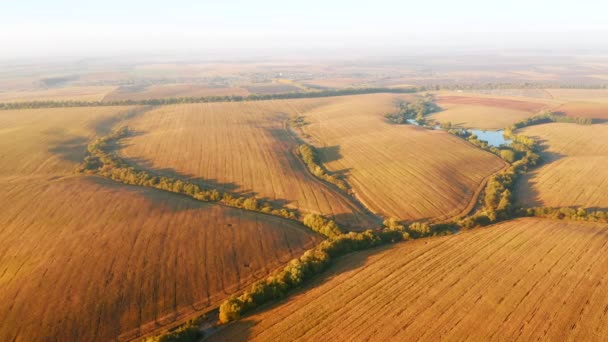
x: 69, y: 27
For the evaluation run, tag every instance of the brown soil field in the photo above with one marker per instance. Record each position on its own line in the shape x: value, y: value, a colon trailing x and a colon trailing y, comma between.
x: 481, y: 117
x: 400, y: 171
x: 82, y: 258
x: 492, y: 102
x: 575, y: 171
x: 585, y: 109
x: 486, y: 111
x: 85, y: 93
x: 172, y: 90
x: 241, y: 147
x: 527, y: 279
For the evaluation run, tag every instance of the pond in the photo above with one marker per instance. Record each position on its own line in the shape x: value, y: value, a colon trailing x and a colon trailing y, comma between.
x: 493, y: 138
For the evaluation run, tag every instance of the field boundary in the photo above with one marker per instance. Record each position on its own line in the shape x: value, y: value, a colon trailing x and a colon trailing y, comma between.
x: 206, y: 99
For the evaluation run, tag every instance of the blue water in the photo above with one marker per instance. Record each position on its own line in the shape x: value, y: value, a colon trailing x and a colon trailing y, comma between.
x: 494, y: 138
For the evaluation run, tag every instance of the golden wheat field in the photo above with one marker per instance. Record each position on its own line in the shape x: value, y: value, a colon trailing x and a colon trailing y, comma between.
x: 575, y: 168
x: 400, y: 171
x: 82, y: 258
x: 171, y: 90
x: 73, y: 93
x: 526, y: 279
x: 242, y: 147
x: 86, y: 259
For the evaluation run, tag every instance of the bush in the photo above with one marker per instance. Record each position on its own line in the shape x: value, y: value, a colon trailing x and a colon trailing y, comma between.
x: 322, y: 225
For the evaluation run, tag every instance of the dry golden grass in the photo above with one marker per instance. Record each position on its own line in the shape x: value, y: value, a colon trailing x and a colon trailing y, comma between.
x: 172, y: 90
x: 526, y: 279
x: 484, y: 111
x: 239, y: 147
x: 398, y: 171
x: 575, y: 172
x: 85, y: 93
x: 82, y: 258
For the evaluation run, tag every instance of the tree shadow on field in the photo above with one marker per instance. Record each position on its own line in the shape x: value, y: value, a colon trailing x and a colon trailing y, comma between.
x: 329, y: 153
x: 103, y: 126
x: 358, y: 221
x: 526, y: 186
x: 69, y: 148
x: 241, y: 330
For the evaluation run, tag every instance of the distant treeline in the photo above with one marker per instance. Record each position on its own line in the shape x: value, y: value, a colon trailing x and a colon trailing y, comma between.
x: 509, y: 85
x: 102, y: 161
x: 205, y: 99
x: 310, y: 156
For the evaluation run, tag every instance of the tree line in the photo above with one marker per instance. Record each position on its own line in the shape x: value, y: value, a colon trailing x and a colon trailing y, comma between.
x: 204, y: 99
x: 310, y: 156
x: 102, y: 161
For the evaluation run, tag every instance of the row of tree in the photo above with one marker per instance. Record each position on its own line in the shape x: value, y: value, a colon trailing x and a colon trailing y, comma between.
x: 103, y: 161
x: 205, y: 99
x: 577, y: 214
x: 310, y: 156
x: 311, y: 263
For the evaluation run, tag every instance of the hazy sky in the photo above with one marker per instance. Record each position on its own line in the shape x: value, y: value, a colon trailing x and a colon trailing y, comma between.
x: 70, y: 27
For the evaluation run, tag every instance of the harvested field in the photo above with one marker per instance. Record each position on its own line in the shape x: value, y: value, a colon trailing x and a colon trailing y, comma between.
x: 593, y: 110
x: 171, y: 90
x: 575, y: 172
x: 492, y: 102
x: 85, y: 259
x: 526, y: 279
x: 52, y: 142
x: 241, y: 147
x: 88, y: 93
x: 400, y: 171
x: 484, y: 112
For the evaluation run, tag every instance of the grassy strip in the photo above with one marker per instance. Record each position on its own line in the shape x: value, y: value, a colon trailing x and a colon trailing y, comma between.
x: 310, y: 156
x: 205, y: 99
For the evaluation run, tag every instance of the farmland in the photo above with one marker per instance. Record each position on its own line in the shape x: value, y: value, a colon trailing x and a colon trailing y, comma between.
x: 243, y: 148
x: 171, y: 90
x: 150, y: 257
x: 399, y: 171
x: 575, y: 172
x: 74, y: 93
x: 514, y: 281
x: 84, y: 258
x: 485, y: 112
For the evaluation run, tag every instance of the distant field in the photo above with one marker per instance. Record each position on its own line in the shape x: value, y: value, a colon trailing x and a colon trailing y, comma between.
x: 82, y: 258
x: 575, y: 172
x: 171, y: 90
x: 86, y: 259
x: 239, y: 147
x: 88, y: 93
x: 526, y: 279
x: 398, y: 171
x: 271, y: 88
x: 484, y: 112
